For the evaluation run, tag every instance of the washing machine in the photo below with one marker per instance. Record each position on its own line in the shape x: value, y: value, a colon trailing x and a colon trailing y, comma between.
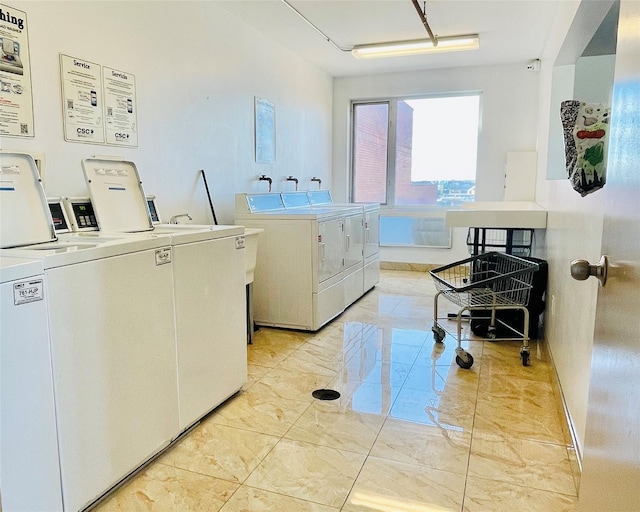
x: 111, y: 331
x: 299, y: 281
x: 370, y: 235
x: 208, y: 264
x: 29, y: 462
x: 250, y: 254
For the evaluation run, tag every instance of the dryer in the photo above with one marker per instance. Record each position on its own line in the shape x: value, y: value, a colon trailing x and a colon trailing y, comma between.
x: 353, y: 241
x: 208, y: 266
x: 299, y: 272
x: 110, y: 309
x: 370, y: 234
x: 29, y: 462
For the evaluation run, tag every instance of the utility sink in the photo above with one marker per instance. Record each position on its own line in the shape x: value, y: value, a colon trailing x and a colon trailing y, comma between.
x: 250, y: 252
x: 498, y: 214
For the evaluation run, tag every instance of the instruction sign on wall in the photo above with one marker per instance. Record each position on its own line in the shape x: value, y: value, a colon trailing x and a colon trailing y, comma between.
x: 82, y: 97
x: 99, y: 103
x: 16, y: 101
x: 120, y: 107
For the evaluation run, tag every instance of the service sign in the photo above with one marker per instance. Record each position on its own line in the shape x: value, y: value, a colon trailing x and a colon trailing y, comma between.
x: 81, y: 100
x: 16, y: 101
x: 120, y: 105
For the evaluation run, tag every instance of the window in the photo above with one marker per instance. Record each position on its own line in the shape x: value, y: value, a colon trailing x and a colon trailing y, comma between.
x: 416, y: 151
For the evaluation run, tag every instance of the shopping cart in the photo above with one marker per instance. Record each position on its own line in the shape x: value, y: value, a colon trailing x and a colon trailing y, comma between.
x: 482, y: 285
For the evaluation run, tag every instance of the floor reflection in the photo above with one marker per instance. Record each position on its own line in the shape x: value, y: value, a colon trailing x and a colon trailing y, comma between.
x: 410, y: 431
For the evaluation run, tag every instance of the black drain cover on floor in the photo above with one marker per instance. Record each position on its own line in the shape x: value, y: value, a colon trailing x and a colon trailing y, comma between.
x: 325, y: 394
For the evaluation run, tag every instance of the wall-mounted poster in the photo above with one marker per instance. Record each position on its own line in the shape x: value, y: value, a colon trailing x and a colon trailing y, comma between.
x: 81, y: 100
x: 265, y: 126
x: 121, y: 107
x: 16, y: 101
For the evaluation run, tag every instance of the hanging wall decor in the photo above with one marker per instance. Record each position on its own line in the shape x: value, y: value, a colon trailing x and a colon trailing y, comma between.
x: 586, y: 127
x: 265, y: 131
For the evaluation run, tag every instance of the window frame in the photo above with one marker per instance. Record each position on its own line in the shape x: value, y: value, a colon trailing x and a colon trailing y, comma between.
x: 392, y: 103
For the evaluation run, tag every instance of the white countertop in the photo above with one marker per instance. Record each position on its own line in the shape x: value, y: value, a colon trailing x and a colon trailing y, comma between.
x: 498, y: 214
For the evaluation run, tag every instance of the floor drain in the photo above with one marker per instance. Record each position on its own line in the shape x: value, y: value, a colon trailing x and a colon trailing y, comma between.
x: 325, y: 394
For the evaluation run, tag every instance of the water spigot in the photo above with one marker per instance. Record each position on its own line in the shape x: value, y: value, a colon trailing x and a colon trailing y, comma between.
x: 264, y: 177
x: 291, y: 178
x: 174, y: 219
x: 319, y: 182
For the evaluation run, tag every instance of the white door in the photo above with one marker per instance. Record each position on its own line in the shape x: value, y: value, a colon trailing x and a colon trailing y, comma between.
x: 611, y: 461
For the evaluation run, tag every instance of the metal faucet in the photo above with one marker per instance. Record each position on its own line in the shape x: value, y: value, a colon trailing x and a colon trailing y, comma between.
x: 319, y: 182
x: 174, y: 219
x: 291, y: 178
x: 264, y: 177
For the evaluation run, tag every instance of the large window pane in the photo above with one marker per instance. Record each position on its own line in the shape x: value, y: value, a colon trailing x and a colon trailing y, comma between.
x: 436, y: 150
x: 370, y: 137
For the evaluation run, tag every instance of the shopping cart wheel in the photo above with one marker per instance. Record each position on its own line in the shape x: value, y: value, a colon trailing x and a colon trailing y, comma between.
x: 438, y: 334
x: 524, y: 355
x: 492, y: 332
x: 464, y: 360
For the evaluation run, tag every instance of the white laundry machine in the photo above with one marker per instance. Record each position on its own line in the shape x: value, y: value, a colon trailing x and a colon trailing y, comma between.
x: 110, y: 308
x: 208, y: 264
x: 250, y: 254
x: 299, y: 272
x: 353, y: 242
x: 370, y: 235
x: 29, y: 462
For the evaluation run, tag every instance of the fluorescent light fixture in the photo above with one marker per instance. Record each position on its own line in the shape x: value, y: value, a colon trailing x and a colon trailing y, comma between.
x: 416, y: 47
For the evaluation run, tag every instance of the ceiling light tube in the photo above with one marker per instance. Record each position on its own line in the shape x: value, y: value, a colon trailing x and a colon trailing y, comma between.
x: 416, y: 47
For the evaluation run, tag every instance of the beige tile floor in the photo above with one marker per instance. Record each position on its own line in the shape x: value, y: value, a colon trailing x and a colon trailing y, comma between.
x: 411, y: 432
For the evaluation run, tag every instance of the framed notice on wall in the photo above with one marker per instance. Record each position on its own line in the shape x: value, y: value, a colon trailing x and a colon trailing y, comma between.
x: 16, y: 100
x: 265, y: 128
x: 81, y: 100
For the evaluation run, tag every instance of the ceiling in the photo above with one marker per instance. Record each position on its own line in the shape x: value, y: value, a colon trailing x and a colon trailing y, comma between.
x: 511, y: 31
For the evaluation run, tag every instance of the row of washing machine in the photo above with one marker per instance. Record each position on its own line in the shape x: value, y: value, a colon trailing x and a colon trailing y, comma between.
x: 113, y: 343
x: 315, y: 257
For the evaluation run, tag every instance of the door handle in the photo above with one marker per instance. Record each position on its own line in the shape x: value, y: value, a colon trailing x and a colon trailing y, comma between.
x: 582, y: 269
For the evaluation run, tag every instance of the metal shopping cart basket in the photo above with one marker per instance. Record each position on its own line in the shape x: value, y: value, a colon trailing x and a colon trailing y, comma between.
x: 485, y: 283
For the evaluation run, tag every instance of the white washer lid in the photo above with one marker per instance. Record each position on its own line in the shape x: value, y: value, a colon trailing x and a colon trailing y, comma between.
x: 118, y: 199
x: 319, y: 197
x: 24, y: 212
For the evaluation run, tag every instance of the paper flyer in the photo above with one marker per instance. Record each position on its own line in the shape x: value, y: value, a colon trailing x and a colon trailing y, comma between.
x: 16, y: 100
x: 81, y: 100
x: 120, y: 107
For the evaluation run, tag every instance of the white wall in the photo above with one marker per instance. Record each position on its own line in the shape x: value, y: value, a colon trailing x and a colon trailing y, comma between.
x: 574, y: 226
x: 197, y: 70
x: 509, y: 123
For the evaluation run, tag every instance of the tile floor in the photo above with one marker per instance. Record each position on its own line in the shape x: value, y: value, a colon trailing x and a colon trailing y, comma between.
x: 411, y: 432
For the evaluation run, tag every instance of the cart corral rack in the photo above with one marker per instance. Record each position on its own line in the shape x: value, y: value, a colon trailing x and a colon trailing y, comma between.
x: 483, y: 285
